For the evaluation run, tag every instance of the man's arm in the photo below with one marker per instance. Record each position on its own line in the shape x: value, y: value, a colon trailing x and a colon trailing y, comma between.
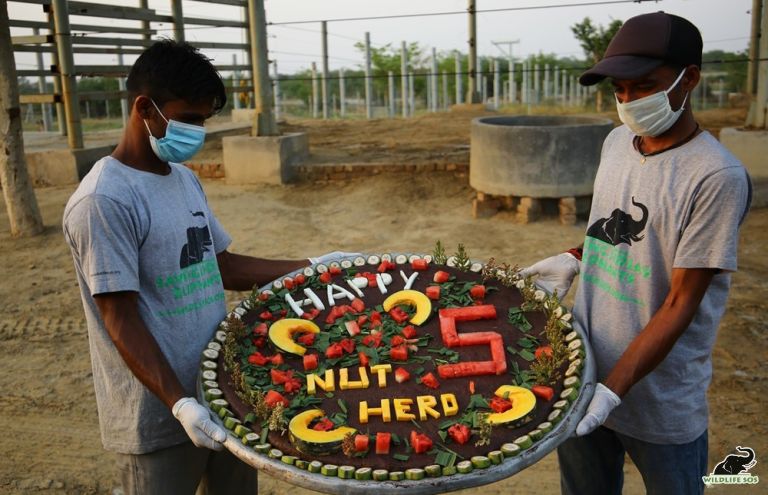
x: 137, y: 346
x: 239, y: 272
x: 669, y: 322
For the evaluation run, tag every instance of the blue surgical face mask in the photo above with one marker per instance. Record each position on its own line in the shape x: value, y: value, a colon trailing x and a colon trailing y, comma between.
x: 181, y: 140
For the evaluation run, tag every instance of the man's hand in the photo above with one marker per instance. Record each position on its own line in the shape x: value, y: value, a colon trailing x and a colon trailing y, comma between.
x: 334, y: 256
x: 197, y: 423
x: 603, y: 402
x: 555, y: 273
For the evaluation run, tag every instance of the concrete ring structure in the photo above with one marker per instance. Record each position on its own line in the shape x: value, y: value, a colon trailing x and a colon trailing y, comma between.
x: 536, y: 156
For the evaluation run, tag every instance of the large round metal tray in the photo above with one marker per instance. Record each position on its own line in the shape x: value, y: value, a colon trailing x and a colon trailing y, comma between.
x: 510, y: 466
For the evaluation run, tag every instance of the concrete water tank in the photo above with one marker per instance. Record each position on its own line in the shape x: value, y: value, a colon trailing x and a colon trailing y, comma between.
x: 536, y: 156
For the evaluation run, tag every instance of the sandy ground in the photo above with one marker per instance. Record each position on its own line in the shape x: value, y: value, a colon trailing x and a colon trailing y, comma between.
x: 48, y: 424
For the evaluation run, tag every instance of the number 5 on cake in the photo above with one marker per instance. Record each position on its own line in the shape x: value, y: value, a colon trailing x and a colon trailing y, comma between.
x: 448, y: 318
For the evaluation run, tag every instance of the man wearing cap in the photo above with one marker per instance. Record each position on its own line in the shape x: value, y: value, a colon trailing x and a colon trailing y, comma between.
x: 655, y: 268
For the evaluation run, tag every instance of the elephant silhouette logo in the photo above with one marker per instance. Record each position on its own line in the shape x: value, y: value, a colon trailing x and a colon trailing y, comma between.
x: 620, y: 227
x: 737, y: 463
x: 198, y: 241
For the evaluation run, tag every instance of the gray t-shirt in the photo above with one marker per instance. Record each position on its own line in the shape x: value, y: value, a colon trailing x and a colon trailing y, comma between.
x: 136, y: 231
x: 679, y: 209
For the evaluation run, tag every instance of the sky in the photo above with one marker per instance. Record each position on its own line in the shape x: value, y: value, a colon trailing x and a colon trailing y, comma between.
x: 724, y: 24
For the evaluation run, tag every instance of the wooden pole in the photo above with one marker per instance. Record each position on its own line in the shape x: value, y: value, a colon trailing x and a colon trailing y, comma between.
x: 391, y: 89
x: 67, y: 69
x: 23, y: 213
x: 472, y: 94
x: 404, y: 77
x: 44, y: 107
x: 433, y: 80
x: 178, y: 20
x: 264, y: 120
x: 459, y: 78
x: 315, y: 93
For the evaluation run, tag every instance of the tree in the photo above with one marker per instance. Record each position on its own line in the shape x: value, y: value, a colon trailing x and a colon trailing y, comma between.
x: 23, y: 213
x: 594, y: 41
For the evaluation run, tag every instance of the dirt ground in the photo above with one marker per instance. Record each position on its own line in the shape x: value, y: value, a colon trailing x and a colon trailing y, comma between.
x: 48, y: 424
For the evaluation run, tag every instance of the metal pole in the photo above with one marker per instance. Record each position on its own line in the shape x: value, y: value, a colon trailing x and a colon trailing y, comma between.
x: 122, y: 87
x: 60, y: 112
x: 315, y: 94
x: 536, y: 84
x: 445, y: 91
x: 512, y: 84
x: 411, y: 95
x: 277, y: 91
x: 564, y: 88
x: 428, y: 87
x: 472, y: 95
x: 44, y: 108
x: 435, y: 98
x: 368, y: 80
x: 524, y: 82
x: 546, y: 82
x: 264, y: 120
x: 404, y: 77
x: 391, y: 90
x: 496, y: 84
x: 343, y: 96
x: 178, y: 20
x: 556, y: 83
x: 325, y: 78
x: 459, y: 79
x: 67, y: 69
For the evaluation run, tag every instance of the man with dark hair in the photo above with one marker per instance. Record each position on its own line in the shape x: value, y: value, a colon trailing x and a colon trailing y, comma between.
x: 152, y: 264
x: 655, y: 268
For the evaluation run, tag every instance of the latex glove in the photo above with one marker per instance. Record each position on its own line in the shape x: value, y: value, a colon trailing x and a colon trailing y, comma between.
x: 603, y: 402
x: 196, y: 421
x: 554, y: 273
x: 334, y: 256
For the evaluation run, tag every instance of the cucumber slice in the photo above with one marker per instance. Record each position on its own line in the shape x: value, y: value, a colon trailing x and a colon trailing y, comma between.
x: 209, y: 375
x: 536, y: 434
x: 428, y: 258
x: 569, y: 394
x: 241, y: 430
x: 464, y: 467
x: 374, y: 260
x: 211, y: 354
x: 396, y: 476
x: 380, y: 474
x: 214, y: 345
x: 221, y: 336
x: 275, y: 453
x: 572, y: 371
x: 363, y: 474
x: 217, y: 404
x: 309, y: 271
x: 301, y: 464
x: 207, y: 384
x: 231, y: 422
x: 251, y: 439
x: 262, y: 448
x: 577, y: 363
x: 546, y: 427
x: 401, y: 259
x: 561, y: 404
x: 555, y: 416
x: 571, y: 336
x: 496, y: 456
x: 321, y: 268
x: 209, y: 365
x: 346, y: 472
x: 213, y: 393
x: 224, y: 413
x: 510, y: 449
x: 449, y: 470
x: 386, y: 257
x: 476, y: 267
x: 415, y: 474
x: 288, y: 459
x: 329, y: 470
x: 434, y: 470
x: 572, y: 382
x: 524, y: 442
x: 315, y: 467
x: 359, y: 261
x: 346, y: 264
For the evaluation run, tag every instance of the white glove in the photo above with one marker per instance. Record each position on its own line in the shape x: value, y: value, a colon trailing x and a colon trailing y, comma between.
x: 554, y: 273
x: 603, y: 402
x: 196, y: 421
x: 334, y: 256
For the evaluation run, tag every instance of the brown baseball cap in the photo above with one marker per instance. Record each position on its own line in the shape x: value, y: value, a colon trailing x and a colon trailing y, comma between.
x: 645, y: 42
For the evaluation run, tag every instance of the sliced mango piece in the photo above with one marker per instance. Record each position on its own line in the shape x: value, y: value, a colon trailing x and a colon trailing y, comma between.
x: 523, y: 405
x: 413, y: 298
x: 281, y: 334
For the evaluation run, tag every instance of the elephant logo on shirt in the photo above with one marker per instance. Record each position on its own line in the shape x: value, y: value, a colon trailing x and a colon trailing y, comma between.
x: 620, y: 227
x: 736, y: 463
x: 198, y: 242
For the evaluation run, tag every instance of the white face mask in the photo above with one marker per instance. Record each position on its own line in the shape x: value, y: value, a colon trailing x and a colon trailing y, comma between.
x: 651, y: 115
